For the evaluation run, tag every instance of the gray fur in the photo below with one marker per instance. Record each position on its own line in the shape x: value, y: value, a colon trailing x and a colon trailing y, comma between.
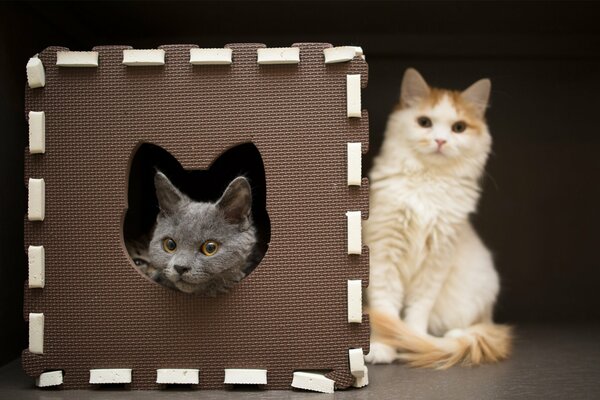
x: 190, y: 223
x: 138, y: 251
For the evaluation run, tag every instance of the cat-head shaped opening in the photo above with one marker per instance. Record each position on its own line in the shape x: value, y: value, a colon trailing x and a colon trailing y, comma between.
x: 197, y: 231
x: 440, y: 128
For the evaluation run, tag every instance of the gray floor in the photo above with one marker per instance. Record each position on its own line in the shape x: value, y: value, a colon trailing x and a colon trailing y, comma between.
x: 549, y: 362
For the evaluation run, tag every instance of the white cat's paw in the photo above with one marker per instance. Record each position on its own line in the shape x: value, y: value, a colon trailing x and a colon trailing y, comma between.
x: 381, y: 354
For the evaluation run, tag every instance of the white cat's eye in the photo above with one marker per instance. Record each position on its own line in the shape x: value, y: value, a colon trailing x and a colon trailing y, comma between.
x: 459, y: 127
x: 209, y: 248
x: 169, y: 245
x: 424, y: 122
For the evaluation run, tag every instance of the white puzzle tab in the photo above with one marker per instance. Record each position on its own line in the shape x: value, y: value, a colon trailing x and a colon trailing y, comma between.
x: 178, y: 376
x: 50, y: 378
x: 36, y: 255
x: 339, y: 54
x: 357, y: 362
x: 354, y: 232
x: 362, y: 381
x: 279, y: 55
x: 358, y: 50
x: 353, y: 95
x: 354, y: 164
x: 36, y: 77
x: 77, y: 58
x: 355, y: 301
x: 134, y: 58
x: 210, y: 56
x: 246, y: 376
x: 110, y: 376
x: 37, y: 132
x: 312, y: 381
x: 36, y: 200
x: 36, y: 333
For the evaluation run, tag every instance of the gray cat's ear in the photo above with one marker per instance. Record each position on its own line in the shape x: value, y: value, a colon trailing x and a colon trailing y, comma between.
x: 414, y: 88
x: 169, y: 197
x: 478, y: 94
x: 236, y: 201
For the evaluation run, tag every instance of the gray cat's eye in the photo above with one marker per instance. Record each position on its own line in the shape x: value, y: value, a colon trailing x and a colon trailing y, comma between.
x: 169, y: 245
x: 424, y: 122
x: 209, y: 248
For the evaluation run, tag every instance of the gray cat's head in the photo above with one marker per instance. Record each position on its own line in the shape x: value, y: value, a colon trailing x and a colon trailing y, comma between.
x: 197, y: 244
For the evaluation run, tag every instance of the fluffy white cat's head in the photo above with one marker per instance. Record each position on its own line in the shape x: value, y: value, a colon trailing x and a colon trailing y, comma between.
x: 438, y: 129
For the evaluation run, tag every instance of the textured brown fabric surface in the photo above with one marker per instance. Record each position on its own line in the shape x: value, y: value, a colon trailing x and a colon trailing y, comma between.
x: 291, y: 312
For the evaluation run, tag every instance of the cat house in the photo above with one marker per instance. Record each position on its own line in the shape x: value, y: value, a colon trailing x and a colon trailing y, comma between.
x: 296, y: 320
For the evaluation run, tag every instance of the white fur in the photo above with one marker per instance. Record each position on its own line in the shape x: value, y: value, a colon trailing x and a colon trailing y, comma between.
x: 427, y: 263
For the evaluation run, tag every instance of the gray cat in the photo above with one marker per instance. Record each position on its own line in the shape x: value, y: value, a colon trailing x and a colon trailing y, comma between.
x: 199, y: 247
x: 138, y: 251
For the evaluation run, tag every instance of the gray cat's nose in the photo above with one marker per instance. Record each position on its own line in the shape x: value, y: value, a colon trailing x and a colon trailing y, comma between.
x: 181, y: 269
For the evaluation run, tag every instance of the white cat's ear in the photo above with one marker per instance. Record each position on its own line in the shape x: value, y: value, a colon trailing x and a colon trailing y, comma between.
x: 414, y: 88
x: 478, y: 94
x: 236, y: 201
x: 169, y: 197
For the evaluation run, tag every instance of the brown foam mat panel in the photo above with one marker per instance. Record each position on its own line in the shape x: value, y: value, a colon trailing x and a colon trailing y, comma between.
x: 290, y: 314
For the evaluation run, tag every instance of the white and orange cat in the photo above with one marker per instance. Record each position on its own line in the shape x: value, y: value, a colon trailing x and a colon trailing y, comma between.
x: 432, y: 283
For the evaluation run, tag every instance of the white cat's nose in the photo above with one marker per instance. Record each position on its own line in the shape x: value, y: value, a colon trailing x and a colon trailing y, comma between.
x: 440, y: 142
x: 181, y: 269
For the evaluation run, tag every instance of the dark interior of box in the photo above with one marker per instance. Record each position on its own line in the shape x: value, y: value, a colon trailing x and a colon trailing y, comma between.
x: 539, y: 208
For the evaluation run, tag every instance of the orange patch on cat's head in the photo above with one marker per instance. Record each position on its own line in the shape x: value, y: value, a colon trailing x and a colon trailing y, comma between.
x: 466, y: 110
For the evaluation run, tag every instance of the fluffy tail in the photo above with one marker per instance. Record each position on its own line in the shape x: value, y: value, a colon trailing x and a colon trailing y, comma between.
x: 478, y: 344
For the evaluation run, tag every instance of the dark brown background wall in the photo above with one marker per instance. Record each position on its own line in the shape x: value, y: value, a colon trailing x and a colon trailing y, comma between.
x: 539, y: 211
